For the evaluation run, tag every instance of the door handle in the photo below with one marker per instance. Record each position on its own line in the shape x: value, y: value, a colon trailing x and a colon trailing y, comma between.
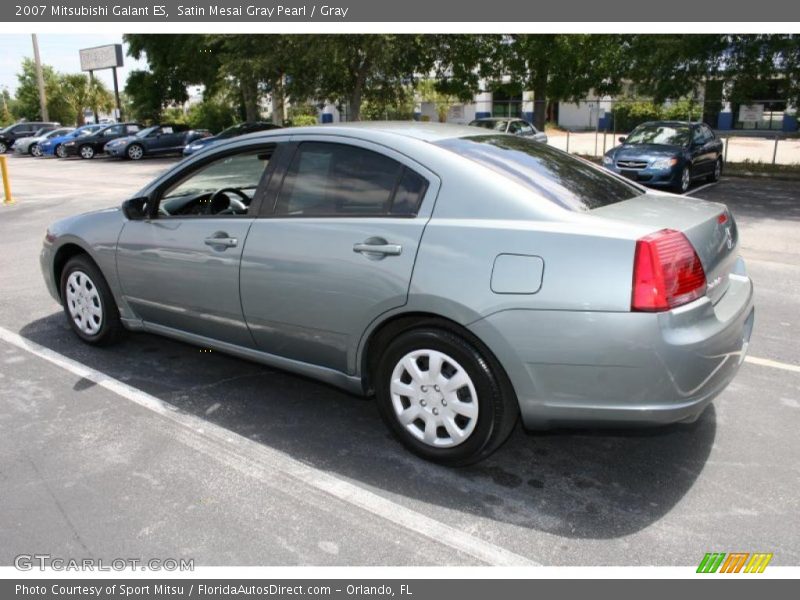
x: 377, y: 248
x: 221, y: 239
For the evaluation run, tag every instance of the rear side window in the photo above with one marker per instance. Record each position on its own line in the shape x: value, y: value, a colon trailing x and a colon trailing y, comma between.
x: 564, y: 180
x: 326, y: 179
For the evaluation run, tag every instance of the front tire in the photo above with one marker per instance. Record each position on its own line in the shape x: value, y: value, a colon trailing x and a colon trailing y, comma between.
x: 685, y: 180
x: 717, y: 172
x: 442, y: 398
x: 135, y: 152
x: 86, y: 152
x: 88, y: 303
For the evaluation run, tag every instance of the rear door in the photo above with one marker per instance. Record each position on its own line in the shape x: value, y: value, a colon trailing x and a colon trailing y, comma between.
x: 335, y: 250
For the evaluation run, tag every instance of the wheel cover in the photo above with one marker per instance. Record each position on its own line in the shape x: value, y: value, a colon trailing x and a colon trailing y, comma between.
x: 434, y: 398
x: 135, y: 152
x: 83, y: 303
x: 686, y: 179
x: 87, y: 152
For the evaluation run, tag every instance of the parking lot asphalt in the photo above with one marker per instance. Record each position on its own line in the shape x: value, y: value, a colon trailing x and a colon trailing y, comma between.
x: 158, y: 450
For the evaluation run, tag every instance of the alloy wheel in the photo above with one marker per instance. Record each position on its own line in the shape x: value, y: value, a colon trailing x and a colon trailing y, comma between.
x: 61, y: 152
x: 686, y: 179
x: 36, y: 150
x: 135, y: 152
x: 434, y: 398
x: 83, y: 302
x: 87, y: 152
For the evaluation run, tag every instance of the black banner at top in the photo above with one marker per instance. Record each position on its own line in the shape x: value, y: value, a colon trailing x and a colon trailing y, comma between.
x: 484, y: 11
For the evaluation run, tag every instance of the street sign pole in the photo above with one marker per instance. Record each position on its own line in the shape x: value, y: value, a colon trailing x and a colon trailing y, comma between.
x: 116, y: 94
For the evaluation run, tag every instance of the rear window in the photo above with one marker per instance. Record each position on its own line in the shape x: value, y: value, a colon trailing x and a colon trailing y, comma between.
x: 564, y: 180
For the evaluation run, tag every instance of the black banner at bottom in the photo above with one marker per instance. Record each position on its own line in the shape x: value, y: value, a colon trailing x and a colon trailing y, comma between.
x: 411, y: 589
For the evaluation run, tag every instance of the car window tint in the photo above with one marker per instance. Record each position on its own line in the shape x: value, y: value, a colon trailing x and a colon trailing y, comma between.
x: 708, y: 133
x: 526, y: 129
x: 409, y: 193
x: 133, y: 129
x: 112, y: 131
x: 698, y: 135
x: 242, y: 172
x: 336, y: 179
x: 570, y: 182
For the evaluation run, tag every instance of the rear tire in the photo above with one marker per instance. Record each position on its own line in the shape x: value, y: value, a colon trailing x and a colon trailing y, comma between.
x: 442, y: 398
x: 60, y: 151
x: 3, y: 147
x: 88, y: 302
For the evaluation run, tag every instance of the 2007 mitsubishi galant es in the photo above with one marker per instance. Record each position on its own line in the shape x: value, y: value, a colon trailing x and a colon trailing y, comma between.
x: 464, y: 278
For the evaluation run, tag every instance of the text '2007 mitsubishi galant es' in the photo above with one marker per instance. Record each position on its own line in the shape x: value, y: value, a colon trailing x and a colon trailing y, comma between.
x: 463, y: 278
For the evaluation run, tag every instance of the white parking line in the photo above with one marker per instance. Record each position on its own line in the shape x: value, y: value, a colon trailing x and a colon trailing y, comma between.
x: 213, y: 435
x: 702, y: 187
x: 766, y: 362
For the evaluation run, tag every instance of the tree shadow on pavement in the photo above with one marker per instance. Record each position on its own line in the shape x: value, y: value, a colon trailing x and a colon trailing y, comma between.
x: 578, y: 484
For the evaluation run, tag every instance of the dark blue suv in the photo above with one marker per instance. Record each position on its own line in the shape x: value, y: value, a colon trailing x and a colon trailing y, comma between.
x: 667, y: 154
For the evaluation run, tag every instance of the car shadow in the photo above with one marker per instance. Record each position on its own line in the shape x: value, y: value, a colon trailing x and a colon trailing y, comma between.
x: 593, y: 484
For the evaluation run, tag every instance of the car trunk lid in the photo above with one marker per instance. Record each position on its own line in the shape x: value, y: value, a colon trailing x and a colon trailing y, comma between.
x: 709, y: 227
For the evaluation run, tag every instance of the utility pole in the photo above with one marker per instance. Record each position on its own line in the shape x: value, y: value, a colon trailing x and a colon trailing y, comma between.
x: 40, y: 79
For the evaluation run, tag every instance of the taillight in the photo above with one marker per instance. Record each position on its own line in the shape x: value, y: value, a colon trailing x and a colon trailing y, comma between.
x: 666, y: 272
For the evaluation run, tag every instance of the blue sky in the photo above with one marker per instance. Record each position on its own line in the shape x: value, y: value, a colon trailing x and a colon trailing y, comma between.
x: 61, y: 52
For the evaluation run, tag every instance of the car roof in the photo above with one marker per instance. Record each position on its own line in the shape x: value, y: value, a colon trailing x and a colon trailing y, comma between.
x: 673, y: 122
x: 419, y: 130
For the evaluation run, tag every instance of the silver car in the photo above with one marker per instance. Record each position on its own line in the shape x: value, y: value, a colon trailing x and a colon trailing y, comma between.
x: 511, y: 125
x: 462, y: 277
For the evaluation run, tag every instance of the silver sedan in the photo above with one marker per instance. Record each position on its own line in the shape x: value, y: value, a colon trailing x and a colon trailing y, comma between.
x: 462, y: 277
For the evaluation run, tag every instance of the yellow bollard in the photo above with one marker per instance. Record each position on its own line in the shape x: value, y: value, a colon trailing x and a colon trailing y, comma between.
x: 7, y: 199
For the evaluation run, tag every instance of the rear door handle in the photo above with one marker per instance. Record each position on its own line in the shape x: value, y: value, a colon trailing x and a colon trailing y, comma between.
x: 377, y: 248
x: 221, y: 239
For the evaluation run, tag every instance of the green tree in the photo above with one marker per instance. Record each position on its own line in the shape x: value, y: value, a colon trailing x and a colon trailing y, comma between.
x: 79, y: 92
x: 564, y: 66
x: 26, y: 101
x: 360, y: 67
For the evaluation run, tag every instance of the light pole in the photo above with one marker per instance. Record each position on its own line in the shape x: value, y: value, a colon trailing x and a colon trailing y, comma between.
x: 40, y: 79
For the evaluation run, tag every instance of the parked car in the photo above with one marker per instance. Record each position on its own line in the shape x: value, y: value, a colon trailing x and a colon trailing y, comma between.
x: 87, y: 146
x: 55, y: 146
x: 226, y: 134
x: 543, y: 285
x: 669, y: 154
x: 153, y: 141
x: 30, y: 145
x: 12, y: 133
x: 512, y: 126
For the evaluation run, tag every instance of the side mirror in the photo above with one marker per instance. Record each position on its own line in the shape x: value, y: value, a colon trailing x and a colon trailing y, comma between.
x: 135, y: 209
x: 622, y: 139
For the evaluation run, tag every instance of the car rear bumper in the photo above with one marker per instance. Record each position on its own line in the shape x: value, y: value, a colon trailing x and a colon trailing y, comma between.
x: 599, y: 368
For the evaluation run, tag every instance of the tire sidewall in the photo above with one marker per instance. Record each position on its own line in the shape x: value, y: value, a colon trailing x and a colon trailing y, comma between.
x: 110, y: 321
x: 486, y: 387
x: 90, y: 152
x: 3, y: 147
x: 681, y: 189
x: 34, y: 150
x: 59, y: 151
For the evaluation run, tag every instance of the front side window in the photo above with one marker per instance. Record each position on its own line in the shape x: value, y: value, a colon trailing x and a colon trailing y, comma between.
x: 326, y: 179
x: 225, y: 186
x: 112, y: 131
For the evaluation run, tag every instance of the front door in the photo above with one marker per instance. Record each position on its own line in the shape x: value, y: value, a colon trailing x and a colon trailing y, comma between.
x: 337, y: 251
x: 180, y: 269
